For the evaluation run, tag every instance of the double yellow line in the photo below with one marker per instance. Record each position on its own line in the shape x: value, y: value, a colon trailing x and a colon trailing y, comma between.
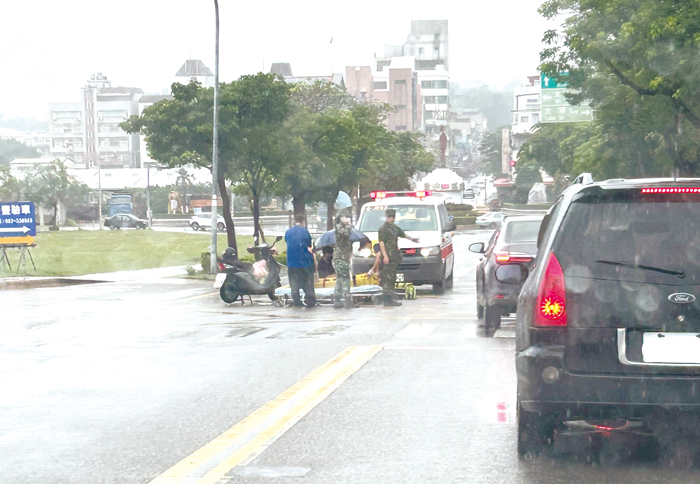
x: 247, y: 439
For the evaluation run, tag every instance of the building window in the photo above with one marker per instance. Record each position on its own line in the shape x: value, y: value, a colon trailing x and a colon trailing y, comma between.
x: 532, y: 100
x: 421, y: 50
x: 90, y: 134
x: 535, y: 118
x: 379, y: 85
x: 382, y: 64
x: 400, y: 128
x: 524, y: 119
x: 400, y: 106
x: 434, y: 84
x: 89, y: 120
x: 400, y: 81
x: 88, y: 105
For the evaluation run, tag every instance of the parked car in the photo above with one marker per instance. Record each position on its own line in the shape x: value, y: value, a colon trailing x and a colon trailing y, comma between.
x: 492, y: 220
x: 123, y: 220
x: 202, y: 221
x: 608, y: 323
x: 511, y: 249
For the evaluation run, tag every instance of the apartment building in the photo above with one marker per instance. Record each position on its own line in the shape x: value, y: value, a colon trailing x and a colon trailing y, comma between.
x: 526, y: 112
x: 88, y: 132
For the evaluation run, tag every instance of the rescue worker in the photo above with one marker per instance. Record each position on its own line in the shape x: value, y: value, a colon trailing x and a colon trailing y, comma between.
x: 389, y: 234
x: 342, y: 254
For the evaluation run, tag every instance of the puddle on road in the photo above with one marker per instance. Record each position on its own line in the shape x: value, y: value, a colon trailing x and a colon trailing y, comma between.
x: 323, y: 332
x: 14, y: 284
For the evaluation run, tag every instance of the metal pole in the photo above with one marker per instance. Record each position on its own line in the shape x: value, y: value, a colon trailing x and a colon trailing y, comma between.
x: 99, y: 188
x: 149, y: 214
x: 215, y: 147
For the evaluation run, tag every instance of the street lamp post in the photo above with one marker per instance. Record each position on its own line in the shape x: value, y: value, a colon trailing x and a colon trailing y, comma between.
x: 215, y: 147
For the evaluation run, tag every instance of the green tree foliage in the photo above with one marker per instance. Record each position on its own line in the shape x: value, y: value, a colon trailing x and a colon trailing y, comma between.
x: 490, y: 149
x: 636, y: 61
x: 10, y: 187
x: 51, y: 185
x: 262, y: 103
x: 179, y: 132
x: 11, y: 149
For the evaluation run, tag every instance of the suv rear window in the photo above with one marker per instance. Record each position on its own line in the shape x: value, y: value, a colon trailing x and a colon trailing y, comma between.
x: 604, y: 235
x: 525, y: 231
x: 408, y: 217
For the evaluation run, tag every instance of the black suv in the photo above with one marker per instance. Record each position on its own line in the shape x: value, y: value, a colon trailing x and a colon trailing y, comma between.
x: 608, y: 325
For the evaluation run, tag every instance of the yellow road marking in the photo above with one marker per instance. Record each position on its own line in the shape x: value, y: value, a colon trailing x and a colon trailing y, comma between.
x: 309, y: 392
x: 198, y: 296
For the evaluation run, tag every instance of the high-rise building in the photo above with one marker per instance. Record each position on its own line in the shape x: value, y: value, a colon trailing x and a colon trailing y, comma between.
x: 427, y: 44
x: 88, y: 132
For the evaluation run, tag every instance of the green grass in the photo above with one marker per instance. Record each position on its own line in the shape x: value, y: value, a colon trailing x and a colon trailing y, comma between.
x: 78, y: 252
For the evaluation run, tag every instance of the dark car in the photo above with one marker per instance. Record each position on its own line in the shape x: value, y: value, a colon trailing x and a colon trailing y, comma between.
x: 498, y: 282
x: 608, y: 324
x: 124, y: 220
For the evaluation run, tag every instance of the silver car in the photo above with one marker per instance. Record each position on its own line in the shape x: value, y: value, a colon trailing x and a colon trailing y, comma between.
x: 492, y: 220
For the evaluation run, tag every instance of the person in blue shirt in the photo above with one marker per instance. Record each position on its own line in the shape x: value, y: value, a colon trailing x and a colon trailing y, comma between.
x: 300, y: 263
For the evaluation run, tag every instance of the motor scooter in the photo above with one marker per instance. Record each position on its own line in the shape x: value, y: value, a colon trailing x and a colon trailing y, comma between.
x: 240, y: 280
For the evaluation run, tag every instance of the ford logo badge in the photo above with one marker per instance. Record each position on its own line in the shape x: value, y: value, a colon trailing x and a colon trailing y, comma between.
x: 681, y: 298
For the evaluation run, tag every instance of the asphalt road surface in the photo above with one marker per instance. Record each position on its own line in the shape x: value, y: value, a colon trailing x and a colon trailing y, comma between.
x: 157, y: 380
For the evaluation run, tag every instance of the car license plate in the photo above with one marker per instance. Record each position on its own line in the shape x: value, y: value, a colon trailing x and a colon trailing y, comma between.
x: 399, y: 277
x: 219, y: 281
x: 671, y: 348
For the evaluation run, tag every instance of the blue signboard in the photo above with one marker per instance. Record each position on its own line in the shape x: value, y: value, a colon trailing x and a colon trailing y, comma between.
x: 17, y: 219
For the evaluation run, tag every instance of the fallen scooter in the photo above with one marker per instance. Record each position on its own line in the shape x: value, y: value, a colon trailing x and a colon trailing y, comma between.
x: 241, y: 279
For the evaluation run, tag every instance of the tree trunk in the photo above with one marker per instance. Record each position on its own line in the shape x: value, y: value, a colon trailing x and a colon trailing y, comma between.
x: 299, y: 204
x: 230, y: 228
x: 257, y: 230
x: 330, y: 203
x: 55, y: 214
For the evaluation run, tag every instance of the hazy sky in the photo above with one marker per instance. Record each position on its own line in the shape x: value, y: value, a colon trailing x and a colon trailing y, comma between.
x: 49, y: 48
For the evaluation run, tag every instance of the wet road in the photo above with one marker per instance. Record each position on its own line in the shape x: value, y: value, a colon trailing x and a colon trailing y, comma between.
x: 156, y: 380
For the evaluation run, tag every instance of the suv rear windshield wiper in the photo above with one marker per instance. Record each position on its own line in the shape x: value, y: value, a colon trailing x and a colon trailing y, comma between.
x: 680, y: 274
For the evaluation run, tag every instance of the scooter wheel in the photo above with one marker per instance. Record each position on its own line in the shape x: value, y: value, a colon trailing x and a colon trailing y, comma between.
x: 227, y: 294
x: 272, y: 297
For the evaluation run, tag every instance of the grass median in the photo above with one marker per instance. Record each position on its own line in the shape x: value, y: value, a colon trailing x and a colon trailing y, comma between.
x: 78, y: 252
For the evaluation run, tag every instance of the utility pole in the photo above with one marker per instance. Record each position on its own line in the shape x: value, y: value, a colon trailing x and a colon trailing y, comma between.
x: 215, y: 147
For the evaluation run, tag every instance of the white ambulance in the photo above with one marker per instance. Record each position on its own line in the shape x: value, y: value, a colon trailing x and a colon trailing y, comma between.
x: 420, y: 214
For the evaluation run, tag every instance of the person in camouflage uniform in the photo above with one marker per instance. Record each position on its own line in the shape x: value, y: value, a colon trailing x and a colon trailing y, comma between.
x: 389, y: 234
x: 341, y: 262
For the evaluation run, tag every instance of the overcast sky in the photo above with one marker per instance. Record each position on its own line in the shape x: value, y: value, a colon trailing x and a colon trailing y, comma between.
x: 49, y: 48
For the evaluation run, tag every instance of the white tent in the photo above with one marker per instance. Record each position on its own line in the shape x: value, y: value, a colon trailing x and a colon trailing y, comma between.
x: 445, y: 181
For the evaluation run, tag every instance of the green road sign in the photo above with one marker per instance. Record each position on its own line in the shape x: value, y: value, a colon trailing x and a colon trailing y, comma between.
x: 554, y: 108
x: 547, y: 82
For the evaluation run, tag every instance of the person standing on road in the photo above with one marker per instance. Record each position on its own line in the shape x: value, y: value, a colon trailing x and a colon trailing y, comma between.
x: 389, y: 234
x: 342, y: 254
x: 300, y: 263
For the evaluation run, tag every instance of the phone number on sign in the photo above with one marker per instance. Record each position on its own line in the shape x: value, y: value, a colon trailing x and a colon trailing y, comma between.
x: 17, y: 221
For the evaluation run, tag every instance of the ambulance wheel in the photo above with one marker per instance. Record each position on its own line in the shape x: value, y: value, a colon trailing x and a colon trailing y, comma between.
x: 439, y: 287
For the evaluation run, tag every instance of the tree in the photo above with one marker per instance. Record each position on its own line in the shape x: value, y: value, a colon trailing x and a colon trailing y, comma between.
x: 636, y: 61
x: 490, y: 149
x: 260, y: 103
x: 183, y: 179
x: 51, y: 185
x: 304, y: 174
x: 11, y: 149
x: 178, y: 132
x: 10, y: 187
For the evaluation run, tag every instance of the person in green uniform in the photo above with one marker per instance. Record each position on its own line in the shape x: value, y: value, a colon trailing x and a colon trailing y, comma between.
x: 389, y: 234
x: 342, y: 252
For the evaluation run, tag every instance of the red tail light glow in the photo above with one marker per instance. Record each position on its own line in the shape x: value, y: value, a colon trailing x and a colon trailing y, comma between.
x: 505, y: 257
x: 551, y: 300
x: 671, y: 190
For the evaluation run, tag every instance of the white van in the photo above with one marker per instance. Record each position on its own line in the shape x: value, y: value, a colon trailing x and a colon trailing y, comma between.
x: 420, y: 214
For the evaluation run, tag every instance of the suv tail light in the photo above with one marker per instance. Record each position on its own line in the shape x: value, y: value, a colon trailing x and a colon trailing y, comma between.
x: 551, y: 299
x: 506, y: 257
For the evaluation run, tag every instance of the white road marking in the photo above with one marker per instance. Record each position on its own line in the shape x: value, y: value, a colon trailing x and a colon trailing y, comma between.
x: 416, y: 331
